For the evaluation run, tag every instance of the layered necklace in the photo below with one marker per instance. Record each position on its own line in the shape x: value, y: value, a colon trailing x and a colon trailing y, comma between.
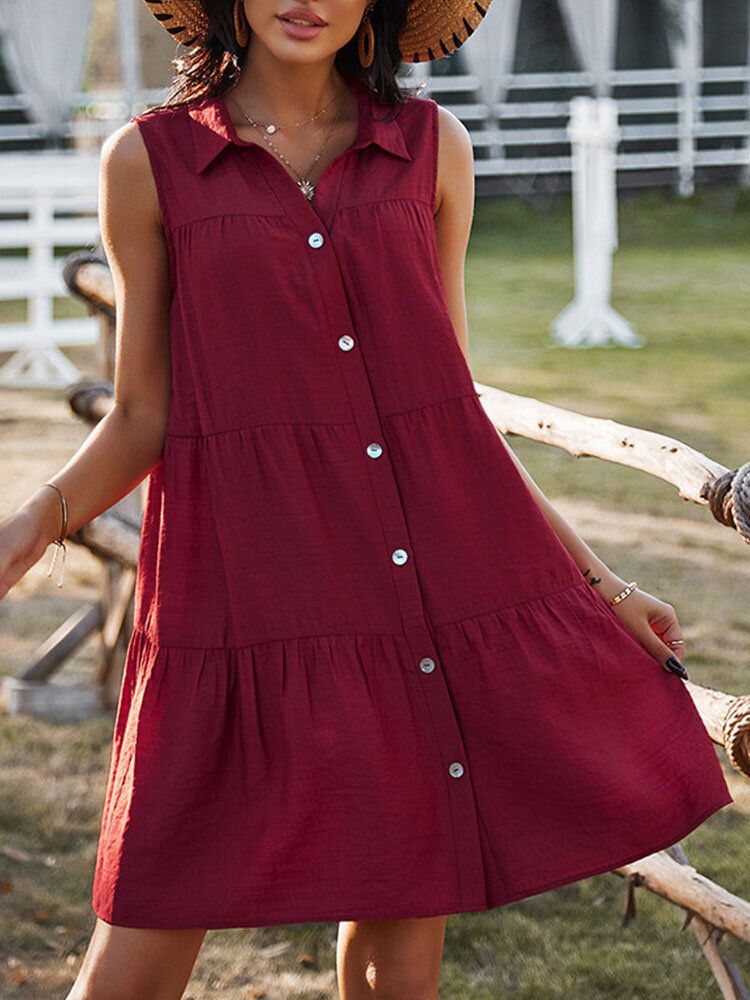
x: 267, y: 129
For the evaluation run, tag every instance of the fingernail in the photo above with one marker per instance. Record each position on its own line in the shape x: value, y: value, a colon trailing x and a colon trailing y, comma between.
x: 676, y: 667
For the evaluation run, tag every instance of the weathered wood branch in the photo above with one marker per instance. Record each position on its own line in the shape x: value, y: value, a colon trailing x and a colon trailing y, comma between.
x: 90, y: 399
x: 727, y: 719
x: 682, y: 884
x: 110, y: 536
x: 88, y: 277
x: 691, y: 472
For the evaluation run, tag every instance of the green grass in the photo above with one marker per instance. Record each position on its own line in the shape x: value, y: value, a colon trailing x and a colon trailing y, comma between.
x: 682, y: 276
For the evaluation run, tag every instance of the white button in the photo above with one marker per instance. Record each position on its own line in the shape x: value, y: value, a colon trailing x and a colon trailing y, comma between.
x: 346, y: 343
x: 374, y: 450
x: 427, y: 664
x: 399, y: 556
x: 456, y: 769
x: 315, y: 240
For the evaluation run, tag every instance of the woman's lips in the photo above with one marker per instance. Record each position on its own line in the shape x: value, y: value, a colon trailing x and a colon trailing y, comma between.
x: 300, y: 31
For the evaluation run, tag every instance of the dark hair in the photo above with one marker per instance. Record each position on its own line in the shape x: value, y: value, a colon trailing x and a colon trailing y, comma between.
x: 212, y: 64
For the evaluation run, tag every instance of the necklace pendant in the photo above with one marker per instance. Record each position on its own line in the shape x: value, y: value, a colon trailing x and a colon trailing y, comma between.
x: 308, y: 189
x: 270, y: 129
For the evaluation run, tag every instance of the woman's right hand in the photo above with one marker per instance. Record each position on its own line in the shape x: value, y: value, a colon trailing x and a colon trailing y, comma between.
x: 22, y: 544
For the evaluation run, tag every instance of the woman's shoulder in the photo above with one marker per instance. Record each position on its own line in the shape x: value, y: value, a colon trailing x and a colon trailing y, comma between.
x: 449, y: 130
x: 420, y: 116
x: 410, y: 105
x: 161, y: 115
x: 418, y: 104
x: 165, y: 128
x: 153, y: 143
x: 416, y: 114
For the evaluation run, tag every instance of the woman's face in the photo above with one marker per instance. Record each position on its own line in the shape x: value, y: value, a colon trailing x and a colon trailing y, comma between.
x: 326, y: 26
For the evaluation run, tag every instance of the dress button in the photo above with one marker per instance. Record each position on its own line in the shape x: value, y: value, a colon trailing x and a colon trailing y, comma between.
x: 456, y: 769
x: 399, y: 556
x: 427, y: 664
x: 346, y: 343
x: 315, y: 240
x: 374, y: 450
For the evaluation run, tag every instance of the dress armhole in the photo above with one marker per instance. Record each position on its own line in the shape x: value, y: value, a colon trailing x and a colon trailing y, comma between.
x: 435, y: 137
x: 144, y: 123
x: 144, y: 127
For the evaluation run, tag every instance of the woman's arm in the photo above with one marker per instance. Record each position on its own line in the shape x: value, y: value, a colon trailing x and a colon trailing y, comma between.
x: 646, y: 616
x: 128, y: 441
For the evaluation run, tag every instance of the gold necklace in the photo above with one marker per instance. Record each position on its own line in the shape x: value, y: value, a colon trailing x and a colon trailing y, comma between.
x: 272, y: 127
x: 302, y: 180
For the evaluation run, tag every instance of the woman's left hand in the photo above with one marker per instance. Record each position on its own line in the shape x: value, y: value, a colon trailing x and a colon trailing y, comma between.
x: 654, y: 624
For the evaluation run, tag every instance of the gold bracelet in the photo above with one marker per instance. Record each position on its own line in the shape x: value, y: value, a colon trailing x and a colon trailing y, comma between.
x: 59, y: 542
x: 623, y: 593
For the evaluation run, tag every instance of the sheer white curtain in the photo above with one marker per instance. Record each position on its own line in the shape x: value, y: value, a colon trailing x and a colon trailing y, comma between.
x: 592, y: 29
x: 686, y: 43
x: 491, y: 49
x: 44, y: 49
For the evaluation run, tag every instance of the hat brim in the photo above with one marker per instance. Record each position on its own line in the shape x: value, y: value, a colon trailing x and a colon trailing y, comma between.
x: 434, y: 28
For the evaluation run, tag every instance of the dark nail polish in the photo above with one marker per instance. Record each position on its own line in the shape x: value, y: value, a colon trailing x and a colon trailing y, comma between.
x: 676, y: 667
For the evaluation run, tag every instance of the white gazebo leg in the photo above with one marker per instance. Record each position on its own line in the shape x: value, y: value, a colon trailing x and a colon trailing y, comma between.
x: 589, y: 320
x: 688, y: 56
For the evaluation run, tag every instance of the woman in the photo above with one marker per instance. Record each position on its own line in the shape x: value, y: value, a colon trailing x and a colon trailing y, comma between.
x: 374, y: 676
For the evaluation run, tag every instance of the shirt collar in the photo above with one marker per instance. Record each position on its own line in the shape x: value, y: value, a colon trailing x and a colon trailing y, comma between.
x: 212, y: 128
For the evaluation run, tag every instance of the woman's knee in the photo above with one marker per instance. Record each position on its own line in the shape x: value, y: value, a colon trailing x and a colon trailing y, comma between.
x: 125, y: 962
x: 385, y: 959
x: 414, y: 984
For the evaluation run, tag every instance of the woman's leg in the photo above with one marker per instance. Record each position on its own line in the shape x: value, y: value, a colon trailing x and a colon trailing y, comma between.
x: 122, y: 963
x: 390, y: 959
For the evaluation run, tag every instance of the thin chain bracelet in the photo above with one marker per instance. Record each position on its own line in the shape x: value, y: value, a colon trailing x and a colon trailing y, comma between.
x: 60, y: 541
x: 623, y: 593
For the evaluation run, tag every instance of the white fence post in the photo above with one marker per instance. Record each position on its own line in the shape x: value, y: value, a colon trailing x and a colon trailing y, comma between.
x: 55, y: 195
x: 589, y: 320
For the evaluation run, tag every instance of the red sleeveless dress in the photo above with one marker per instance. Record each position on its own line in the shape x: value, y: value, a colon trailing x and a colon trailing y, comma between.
x: 366, y: 679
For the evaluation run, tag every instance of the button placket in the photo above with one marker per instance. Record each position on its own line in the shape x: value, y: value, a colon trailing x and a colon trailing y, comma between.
x: 460, y: 804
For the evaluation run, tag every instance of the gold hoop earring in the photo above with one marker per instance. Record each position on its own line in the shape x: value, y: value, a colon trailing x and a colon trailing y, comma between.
x: 241, y: 27
x: 366, y: 39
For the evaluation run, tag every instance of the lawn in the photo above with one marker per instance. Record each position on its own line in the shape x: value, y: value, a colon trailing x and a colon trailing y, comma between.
x: 682, y: 277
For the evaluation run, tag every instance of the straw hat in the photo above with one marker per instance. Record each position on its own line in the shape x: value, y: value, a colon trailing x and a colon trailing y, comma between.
x: 434, y: 28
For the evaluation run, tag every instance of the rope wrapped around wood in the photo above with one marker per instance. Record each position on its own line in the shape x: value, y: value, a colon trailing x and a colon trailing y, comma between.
x: 728, y: 497
x: 736, y: 734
